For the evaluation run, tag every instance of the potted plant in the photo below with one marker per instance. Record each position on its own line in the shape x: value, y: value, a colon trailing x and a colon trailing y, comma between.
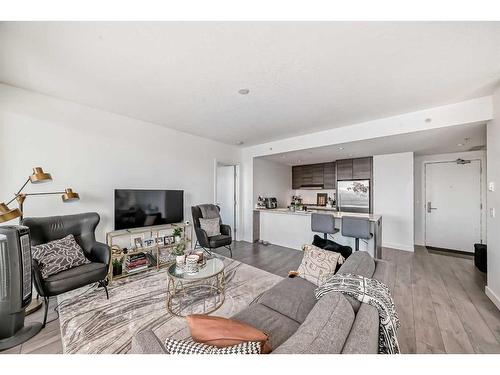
x: 177, y: 234
x: 117, y: 266
x: 178, y: 252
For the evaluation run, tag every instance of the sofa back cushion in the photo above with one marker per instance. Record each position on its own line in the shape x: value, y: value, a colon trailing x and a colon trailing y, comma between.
x: 325, y: 329
x: 292, y: 297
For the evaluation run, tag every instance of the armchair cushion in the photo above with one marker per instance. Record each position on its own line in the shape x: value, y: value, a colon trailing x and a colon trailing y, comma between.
x: 210, y: 226
x: 220, y: 240
x: 74, y: 278
x: 58, y: 255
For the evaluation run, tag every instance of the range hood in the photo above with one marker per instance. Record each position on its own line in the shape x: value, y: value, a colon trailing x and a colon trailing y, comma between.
x: 312, y: 186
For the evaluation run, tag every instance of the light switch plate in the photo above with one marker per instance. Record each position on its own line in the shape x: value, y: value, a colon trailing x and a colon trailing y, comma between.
x: 491, y: 186
x: 492, y: 212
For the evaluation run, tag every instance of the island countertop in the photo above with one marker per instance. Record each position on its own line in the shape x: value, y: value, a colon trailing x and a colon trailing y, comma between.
x: 336, y: 214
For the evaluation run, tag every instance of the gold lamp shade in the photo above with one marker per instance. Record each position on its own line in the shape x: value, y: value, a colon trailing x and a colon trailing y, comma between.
x: 69, y: 195
x: 7, y: 214
x: 39, y: 176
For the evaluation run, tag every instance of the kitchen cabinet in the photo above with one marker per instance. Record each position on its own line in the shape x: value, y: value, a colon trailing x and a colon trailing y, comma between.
x: 362, y: 169
x: 354, y: 169
x: 329, y: 179
x: 344, y: 169
x: 321, y: 175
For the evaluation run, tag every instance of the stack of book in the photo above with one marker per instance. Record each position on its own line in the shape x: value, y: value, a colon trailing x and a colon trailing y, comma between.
x: 136, y: 263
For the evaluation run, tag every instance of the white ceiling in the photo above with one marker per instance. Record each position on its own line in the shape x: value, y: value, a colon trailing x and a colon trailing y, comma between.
x: 302, y: 76
x: 429, y: 142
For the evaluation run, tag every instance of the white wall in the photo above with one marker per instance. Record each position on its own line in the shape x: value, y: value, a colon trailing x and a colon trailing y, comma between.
x: 493, y: 199
x: 95, y: 152
x: 420, y: 187
x: 393, y: 198
x: 309, y: 196
x: 466, y: 112
x: 271, y: 179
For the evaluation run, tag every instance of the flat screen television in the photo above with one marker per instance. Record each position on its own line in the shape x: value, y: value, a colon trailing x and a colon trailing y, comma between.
x: 144, y: 208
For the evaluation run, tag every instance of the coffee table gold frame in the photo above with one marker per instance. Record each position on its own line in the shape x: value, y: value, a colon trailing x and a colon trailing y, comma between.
x: 185, y: 293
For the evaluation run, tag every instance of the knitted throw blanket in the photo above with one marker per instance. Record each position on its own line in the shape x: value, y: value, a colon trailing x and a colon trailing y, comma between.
x: 374, y: 293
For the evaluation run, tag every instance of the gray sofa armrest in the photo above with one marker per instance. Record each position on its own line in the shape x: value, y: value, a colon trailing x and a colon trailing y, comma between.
x: 146, y: 342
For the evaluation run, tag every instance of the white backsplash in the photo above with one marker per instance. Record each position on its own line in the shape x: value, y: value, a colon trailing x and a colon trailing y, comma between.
x: 309, y: 196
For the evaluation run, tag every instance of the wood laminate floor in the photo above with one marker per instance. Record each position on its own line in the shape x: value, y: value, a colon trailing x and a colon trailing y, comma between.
x: 439, y: 297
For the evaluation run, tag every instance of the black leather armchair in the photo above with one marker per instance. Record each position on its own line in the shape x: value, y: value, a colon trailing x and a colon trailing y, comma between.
x: 208, y: 243
x: 82, y: 227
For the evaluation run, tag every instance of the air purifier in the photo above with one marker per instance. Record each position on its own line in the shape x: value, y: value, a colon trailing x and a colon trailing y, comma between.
x: 15, y: 286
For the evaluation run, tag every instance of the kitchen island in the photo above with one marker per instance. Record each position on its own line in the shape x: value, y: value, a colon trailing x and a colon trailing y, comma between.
x: 292, y: 229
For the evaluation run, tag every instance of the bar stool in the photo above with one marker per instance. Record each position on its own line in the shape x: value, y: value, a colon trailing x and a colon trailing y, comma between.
x: 356, y: 227
x: 323, y: 223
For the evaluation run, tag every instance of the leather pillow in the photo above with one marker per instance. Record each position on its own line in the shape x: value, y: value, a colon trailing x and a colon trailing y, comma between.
x: 222, y: 332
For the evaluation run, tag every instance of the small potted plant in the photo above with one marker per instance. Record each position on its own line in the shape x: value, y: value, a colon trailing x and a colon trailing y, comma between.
x: 177, y: 234
x: 117, y: 266
x: 178, y: 252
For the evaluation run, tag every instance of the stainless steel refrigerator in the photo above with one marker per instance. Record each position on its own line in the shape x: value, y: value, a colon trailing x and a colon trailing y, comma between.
x: 354, y: 195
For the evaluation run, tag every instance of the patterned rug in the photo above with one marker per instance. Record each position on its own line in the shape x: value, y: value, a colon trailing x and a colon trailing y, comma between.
x: 92, y: 324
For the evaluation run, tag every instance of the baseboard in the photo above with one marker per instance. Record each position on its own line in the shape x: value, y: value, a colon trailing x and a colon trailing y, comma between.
x: 398, y: 246
x: 492, y: 296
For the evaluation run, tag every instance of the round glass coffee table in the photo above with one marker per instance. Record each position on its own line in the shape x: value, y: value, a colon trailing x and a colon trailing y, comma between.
x: 199, y: 293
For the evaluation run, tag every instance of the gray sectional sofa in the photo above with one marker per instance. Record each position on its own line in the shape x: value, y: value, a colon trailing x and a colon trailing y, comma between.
x: 297, y: 323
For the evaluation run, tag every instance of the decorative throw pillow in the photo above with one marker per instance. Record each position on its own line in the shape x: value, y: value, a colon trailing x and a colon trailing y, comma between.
x: 222, y: 332
x: 58, y: 255
x: 318, y: 264
x: 189, y: 347
x: 211, y: 226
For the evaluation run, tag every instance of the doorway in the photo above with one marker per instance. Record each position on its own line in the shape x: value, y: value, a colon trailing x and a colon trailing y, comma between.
x: 226, y: 193
x: 453, y: 205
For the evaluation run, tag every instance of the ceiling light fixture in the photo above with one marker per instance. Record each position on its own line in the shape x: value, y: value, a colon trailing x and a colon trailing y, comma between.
x: 460, y: 144
x: 243, y: 91
x: 239, y: 143
x: 341, y: 148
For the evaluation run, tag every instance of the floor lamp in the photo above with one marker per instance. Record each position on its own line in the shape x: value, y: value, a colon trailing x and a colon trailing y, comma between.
x: 7, y: 214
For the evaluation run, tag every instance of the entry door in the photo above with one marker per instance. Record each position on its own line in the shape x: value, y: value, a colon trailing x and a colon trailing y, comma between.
x: 453, y: 205
x: 226, y: 187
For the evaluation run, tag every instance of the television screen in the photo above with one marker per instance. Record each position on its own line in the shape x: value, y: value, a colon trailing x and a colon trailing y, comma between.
x: 144, y: 208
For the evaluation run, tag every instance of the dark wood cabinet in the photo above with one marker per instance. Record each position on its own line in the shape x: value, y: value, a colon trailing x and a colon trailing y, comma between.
x: 362, y: 169
x: 329, y: 179
x: 354, y: 169
x: 321, y: 175
x: 344, y: 169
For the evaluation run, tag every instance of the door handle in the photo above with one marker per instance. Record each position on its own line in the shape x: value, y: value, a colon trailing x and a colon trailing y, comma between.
x: 429, y: 207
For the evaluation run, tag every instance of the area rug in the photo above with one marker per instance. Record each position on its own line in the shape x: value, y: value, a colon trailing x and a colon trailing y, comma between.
x: 92, y: 324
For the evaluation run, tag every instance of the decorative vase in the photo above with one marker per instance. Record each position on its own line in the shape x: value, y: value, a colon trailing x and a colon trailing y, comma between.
x: 179, y: 261
x: 177, y: 239
x: 191, y: 264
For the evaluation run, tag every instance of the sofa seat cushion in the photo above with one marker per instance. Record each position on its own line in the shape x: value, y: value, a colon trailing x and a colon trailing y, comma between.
x: 220, y: 240
x: 363, y: 338
x: 293, y: 297
x: 359, y: 263
x: 277, y: 326
x: 75, y: 278
x: 325, y: 329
